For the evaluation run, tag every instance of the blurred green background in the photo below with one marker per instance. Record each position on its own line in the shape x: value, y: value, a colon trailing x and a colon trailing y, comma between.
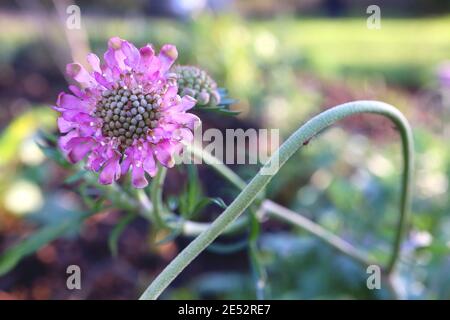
x: 284, y: 62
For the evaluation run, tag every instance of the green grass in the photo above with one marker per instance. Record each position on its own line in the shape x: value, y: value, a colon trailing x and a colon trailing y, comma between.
x: 404, y: 51
x: 400, y: 49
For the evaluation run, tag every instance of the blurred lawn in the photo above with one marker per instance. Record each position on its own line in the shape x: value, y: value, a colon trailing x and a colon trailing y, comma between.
x: 403, y: 50
x: 347, y: 43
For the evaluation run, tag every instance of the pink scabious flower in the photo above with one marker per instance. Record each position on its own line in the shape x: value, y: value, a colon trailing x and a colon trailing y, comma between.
x: 125, y: 114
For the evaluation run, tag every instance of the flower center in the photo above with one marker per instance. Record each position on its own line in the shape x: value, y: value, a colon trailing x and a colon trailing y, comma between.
x: 128, y: 114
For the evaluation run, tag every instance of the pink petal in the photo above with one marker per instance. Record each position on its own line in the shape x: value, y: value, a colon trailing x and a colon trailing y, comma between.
x: 150, y: 165
x: 114, y: 56
x: 116, y: 73
x: 94, y: 61
x: 79, y: 74
x: 131, y: 53
x: 147, y: 55
x: 111, y: 171
x: 163, y: 152
x: 94, y: 162
x: 183, y: 134
x: 71, y: 115
x: 87, y: 130
x: 167, y: 55
x: 160, y: 133
x: 102, y: 80
x: 68, y: 101
x: 177, y: 148
x: 170, y: 96
x: 65, y: 126
x: 80, y: 147
x: 187, y: 102
x: 115, y: 43
x: 167, y: 128
x: 110, y: 58
x: 188, y: 120
x: 125, y: 165
x: 76, y: 91
x: 138, y: 177
x: 64, y: 140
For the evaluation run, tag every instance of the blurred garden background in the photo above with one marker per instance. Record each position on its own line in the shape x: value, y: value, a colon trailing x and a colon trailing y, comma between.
x: 284, y: 61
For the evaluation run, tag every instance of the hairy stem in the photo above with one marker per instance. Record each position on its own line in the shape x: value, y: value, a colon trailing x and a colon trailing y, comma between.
x: 217, y: 165
x: 284, y: 214
x: 279, y: 212
x: 287, y: 149
x: 156, y: 190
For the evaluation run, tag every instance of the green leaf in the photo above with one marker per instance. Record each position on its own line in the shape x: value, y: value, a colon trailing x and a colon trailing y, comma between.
x: 172, y: 202
x: 259, y: 272
x: 52, y: 138
x: 219, y: 109
x: 207, y: 201
x: 191, y: 201
x: 114, y: 236
x: 227, y: 112
x: 227, y: 101
x: 194, y: 190
x: 54, y: 154
x: 92, y: 204
x: 191, y: 194
x: 77, y: 176
x: 230, y: 248
x: 223, y: 106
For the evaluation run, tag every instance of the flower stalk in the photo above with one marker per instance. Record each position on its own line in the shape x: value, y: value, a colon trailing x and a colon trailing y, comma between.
x: 156, y: 196
x: 287, y: 149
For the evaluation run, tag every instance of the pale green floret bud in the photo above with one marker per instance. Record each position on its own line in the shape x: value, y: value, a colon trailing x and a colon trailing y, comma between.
x: 195, y: 82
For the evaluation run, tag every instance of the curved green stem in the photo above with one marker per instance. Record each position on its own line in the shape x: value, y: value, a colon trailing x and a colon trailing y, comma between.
x: 274, y: 210
x: 156, y: 190
x: 284, y: 214
x: 217, y: 165
x: 193, y: 228
x: 287, y: 149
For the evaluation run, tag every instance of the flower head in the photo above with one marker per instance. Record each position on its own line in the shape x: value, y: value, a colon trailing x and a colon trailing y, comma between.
x: 196, y: 83
x: 125, y: 114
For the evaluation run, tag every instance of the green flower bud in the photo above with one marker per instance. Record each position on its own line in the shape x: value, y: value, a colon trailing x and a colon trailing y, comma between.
x: 203, y: 98
x: 196, y: 83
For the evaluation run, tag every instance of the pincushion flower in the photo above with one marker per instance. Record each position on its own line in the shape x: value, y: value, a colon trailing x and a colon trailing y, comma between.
x: 125, y: 114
